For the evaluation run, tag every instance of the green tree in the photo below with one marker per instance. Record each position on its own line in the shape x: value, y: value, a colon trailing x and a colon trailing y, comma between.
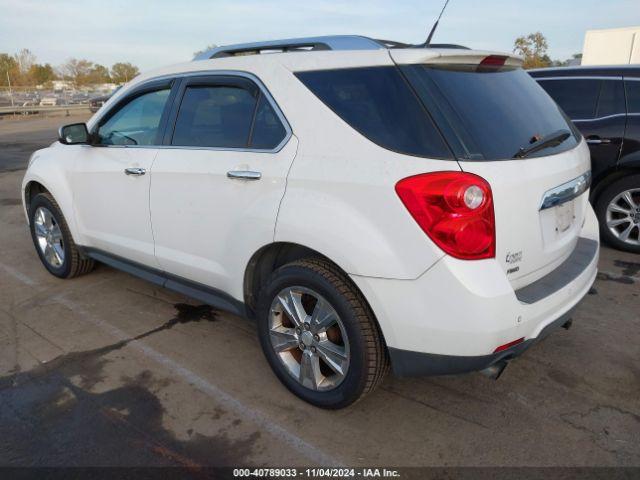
x: 8, y: 68
x: 122, y: 72
x: 98, y: 74
x: 533, y: 48
x: 40, y: 74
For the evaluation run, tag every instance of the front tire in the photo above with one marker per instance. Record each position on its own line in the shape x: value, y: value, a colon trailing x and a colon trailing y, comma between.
x: 52, y: 239
x: 319, y: 335
x: 618, y: 212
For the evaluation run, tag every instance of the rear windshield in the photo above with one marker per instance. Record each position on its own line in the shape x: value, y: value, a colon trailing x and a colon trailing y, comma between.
x: 489, y: 113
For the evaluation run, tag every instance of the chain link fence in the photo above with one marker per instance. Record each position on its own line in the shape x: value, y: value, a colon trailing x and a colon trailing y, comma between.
x: 28, y: 100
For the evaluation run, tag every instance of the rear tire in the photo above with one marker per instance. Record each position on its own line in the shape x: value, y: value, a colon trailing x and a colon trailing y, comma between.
x: 348, y: 359
x: 618, y: 210
x: 53, y: 241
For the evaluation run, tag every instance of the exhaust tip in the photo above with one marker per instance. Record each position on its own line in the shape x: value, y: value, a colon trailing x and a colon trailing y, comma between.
x: 494, y: 371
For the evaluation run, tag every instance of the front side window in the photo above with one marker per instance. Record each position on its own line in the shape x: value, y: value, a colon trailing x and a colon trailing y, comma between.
x: 222, y: 116
x: 578, y: 98
x: 137, y: 122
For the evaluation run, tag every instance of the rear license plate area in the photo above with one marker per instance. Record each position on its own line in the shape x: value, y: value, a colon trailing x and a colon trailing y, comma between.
x: 565, y: 215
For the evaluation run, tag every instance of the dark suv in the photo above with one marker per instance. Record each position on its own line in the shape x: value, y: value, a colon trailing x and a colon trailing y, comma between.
x: 604, y: 103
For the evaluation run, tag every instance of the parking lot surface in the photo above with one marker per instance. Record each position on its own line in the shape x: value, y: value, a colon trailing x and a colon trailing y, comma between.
x: 106, y: 369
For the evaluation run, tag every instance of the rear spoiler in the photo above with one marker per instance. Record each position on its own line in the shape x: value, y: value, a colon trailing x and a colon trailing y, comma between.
x: 434, y: 56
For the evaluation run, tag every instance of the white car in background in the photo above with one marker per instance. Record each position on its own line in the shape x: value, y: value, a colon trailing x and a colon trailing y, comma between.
x: 369, y: 204
x: 49, y: 102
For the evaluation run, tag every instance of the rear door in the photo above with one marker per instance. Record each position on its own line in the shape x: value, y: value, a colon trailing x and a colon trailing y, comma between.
x: 217, y: 184
x: 597, y: 107
x: 491, y: 114
x: 631, y: 148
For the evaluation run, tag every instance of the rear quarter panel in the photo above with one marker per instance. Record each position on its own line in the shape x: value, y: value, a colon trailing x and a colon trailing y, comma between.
x: 340, y: 198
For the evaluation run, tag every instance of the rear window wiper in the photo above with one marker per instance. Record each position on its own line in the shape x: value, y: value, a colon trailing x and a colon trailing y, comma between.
x: 552, y: 140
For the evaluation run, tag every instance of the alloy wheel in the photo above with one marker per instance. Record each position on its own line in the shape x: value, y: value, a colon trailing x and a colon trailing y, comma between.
x: 49, y: 237
x: 623, y: 216
x: 309, y: 338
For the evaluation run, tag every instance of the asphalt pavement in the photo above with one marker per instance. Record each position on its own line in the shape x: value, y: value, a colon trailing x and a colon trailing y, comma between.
x: 107, y: 370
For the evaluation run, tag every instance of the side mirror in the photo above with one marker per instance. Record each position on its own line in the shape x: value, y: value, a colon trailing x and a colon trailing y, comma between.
x: 73, y: 134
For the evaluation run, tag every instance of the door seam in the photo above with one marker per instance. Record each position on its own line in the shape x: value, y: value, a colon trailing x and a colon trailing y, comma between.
x: 286, y: 184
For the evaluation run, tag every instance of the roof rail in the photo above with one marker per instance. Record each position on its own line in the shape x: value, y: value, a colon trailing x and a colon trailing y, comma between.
x: 329, y: 42
x: 333, y: 42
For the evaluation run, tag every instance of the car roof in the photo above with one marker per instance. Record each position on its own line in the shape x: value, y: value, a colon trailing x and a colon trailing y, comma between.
x: 588, y: 71
x: 296, y: 61
x: 306, y: 44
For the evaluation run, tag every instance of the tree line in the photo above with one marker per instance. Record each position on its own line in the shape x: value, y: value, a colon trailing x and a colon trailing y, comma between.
x: 22, y: 69
x: 533, y: 48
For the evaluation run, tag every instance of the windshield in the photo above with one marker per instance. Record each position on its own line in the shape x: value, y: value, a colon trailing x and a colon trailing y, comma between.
x: 490, y: 113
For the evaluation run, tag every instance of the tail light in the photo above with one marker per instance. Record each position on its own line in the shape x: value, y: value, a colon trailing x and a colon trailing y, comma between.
x: 455, y: 209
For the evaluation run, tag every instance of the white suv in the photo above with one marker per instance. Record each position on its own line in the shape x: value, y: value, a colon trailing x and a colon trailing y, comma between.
x: 369, y: 204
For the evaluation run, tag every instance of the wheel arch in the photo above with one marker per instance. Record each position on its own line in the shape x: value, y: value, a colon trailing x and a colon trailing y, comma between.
x: 268, y: 259
x: 31, y: 189
x: 610, y: 176
x: 35, y: 184
x: 274, y: 255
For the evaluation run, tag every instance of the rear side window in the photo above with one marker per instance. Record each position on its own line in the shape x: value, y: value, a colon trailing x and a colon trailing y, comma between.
x: 578, y: 98
x: 633, y: 95
x: 611, y: 99
x: 215, y: 116
x: 378, y: 103
x: 268, y: 130
x: 222, y: 116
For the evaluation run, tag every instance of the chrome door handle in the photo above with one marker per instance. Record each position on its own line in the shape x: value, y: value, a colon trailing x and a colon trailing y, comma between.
x: 598, y: 141
x: 244, y: 175
x: 134, y: 171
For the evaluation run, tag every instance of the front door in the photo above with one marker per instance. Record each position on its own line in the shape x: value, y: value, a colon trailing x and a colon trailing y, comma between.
x: 112, y: 176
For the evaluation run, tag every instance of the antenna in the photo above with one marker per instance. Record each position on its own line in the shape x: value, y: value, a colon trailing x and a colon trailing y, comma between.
x: 435, y: 25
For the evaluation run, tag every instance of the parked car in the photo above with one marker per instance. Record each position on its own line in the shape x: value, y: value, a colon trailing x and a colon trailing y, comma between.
x: 96, y: 103
x: 423, y: 208
x: 49, y: 101
x: 604, y: 103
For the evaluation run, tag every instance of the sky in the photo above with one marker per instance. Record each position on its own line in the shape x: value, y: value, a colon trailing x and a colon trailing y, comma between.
x: 151, y: 34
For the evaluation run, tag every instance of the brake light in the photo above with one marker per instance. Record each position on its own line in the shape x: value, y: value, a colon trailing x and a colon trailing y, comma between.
x: 506, y: 346
x: 455, y: 209
x: 493, y: 60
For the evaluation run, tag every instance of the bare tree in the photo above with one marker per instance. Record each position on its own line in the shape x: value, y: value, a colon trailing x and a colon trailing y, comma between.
x: 76, y: 70
x: 25, y: 60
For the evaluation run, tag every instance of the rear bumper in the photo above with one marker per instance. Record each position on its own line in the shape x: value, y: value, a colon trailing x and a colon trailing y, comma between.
x: 406, y: 363
x: 453, y: 317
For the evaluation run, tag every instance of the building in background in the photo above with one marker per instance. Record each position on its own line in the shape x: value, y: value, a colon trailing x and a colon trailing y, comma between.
x: 612, y: 46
